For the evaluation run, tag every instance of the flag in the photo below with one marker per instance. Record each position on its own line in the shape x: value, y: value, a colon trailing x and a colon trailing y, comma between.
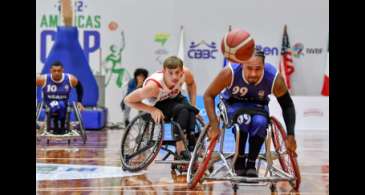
x: 326, y: 80
x: 180, y: 50
x: 286, y: 66
x: 180, y: 54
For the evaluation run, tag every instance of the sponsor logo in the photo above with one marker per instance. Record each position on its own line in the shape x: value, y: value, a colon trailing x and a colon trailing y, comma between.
x: 298, y: 49
x: 89, y: 25
x: 202, y: 50
x: 66, y: 172
x: 313, y: 112
x: 161, y: 38
x: 268, y: 51
x: 261, y: 93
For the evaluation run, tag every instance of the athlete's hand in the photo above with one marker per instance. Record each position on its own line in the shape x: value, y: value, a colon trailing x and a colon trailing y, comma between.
x: 199, y: 117
x: 80, y: 106
x: 291, y: 144
x: 157, y: 115
x: 213, y: 131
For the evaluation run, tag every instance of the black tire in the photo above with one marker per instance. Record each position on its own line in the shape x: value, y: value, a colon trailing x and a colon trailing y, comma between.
x: 131, y: 140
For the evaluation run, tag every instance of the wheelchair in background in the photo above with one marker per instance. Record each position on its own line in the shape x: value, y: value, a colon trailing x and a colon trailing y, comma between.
x: 72, y: 129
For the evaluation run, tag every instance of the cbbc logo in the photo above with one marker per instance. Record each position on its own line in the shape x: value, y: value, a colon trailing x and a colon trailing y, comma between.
x: 268, y: 51
x: 202, y: 50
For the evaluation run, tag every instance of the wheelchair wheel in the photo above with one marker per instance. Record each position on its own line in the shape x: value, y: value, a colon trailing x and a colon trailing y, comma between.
x: 141, y: 143
x: 200, y: 124
x: 81, y: 129
x: 287, y: 161
x: 200, y: 158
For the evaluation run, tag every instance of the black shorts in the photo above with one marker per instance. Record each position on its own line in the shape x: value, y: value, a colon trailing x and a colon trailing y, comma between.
x: 169, y: 106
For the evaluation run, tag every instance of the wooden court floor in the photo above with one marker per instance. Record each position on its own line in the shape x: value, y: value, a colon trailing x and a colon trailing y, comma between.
x: 94, y: 168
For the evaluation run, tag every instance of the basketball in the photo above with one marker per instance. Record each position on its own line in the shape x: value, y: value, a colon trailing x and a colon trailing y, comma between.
x: 237, y: 45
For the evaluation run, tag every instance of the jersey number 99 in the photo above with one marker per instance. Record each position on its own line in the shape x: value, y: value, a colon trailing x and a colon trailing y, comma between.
x: 242, y: 91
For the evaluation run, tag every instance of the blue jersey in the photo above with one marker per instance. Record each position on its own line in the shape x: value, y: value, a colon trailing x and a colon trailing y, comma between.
x: 57, y: 90
x: 241, y: 91
x: 132, y: 85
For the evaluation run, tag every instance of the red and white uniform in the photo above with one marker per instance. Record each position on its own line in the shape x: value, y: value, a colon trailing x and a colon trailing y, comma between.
x: 164, y: 91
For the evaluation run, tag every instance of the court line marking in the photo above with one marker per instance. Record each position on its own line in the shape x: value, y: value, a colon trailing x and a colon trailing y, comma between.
x: 176, y: 191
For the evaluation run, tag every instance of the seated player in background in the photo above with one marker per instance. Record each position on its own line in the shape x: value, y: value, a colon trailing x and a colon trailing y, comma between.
x: 136, y: 82
x: 56, y: 90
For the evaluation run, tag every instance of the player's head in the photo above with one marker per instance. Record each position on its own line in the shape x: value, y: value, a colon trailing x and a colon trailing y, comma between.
x: 140, y: 74
x: 56, y: 70
x: 254, y: 67
x: 173, y: 70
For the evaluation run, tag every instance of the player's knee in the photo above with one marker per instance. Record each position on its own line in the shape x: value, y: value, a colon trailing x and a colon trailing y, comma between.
x: 259, y: 121
x: 259, y: 125
x: 182, y: 117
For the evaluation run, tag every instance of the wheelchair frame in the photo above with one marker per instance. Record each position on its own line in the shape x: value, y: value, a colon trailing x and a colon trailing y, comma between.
x: 272, y: 174
x: 162, y: 144
x: 71, y: 133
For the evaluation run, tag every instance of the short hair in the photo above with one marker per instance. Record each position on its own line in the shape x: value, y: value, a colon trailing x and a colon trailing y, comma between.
x: 173, y: 62
x: 140, y: 71
x: 57, y: 63
x: 260, y: 53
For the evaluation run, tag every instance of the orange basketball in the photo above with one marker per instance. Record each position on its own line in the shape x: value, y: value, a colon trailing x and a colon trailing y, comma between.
x: 238, y: 45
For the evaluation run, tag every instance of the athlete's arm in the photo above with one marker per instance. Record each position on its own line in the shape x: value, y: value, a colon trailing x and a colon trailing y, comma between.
x: 79, y: 90
x: 191, y: 86
x: 287, y: 106
x: 221, y: 81
x: 286, y: 103
x: 134, y: 100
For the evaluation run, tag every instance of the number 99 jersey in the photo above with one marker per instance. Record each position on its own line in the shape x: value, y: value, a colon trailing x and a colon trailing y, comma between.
x: 241, y: 90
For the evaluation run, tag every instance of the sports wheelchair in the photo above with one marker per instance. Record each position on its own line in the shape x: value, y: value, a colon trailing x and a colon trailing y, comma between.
x: 208, y: 164
x: 143, y: 139
x: 73, y: 129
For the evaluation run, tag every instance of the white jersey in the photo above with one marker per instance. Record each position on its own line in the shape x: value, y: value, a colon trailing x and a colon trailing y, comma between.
x: 164, y: 92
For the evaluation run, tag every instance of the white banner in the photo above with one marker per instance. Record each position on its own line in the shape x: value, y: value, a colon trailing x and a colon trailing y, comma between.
x: 312, y: 112
x: 134, y: 34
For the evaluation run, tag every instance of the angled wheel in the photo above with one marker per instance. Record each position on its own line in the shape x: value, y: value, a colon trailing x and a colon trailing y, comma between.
x: 141, y: 143
x: 200, y: 158
x: 287, y: 161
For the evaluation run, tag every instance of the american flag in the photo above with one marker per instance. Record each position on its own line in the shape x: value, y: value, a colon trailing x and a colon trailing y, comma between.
x: 286, y: 67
